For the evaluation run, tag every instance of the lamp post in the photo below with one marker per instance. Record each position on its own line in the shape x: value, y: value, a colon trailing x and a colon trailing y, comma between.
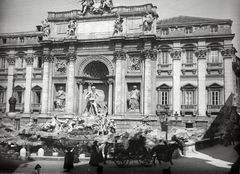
x: 166, y: 121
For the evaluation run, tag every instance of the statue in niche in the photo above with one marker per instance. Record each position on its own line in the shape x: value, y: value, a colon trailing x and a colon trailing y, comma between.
x: 118, y: 28
x: 92, y: 97
x: 147, y: 22
x: 71, y: 28
x: 134, y: 64
x: 46, y: 27
x: 60, y: 66
x: 59, y: 101
x: 134, y: 100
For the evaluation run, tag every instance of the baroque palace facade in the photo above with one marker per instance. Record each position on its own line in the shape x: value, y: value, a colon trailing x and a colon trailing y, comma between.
x: 184, y: 63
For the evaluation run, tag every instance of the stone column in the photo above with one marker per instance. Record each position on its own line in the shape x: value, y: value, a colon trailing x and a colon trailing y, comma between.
x: 29, y: 71
x: 71, y: 58
x: 118, y: 56
x: 50, y: 94
x: 10, y: 85
x: 148, y: 55
x: 45, y: 87
x: 80, y: 101
x: 110, y: 82
x: 202, y: 106
x: 176, y: 67
x: 229, y: 82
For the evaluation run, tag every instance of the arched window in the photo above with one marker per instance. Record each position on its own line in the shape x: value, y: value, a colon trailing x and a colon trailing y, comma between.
x: 96, y: 69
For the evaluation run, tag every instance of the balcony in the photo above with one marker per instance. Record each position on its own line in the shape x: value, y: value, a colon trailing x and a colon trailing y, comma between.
x: 188, y: 110
x: 164, y: 68
x: 215, y: 67
x: 189, y: 67
x: 3, y: 107
x: 213, y: 109
x: 37, y: 72
x: 20, y: 107
x: 35, y: 107
x: 20, y: 72
x: 3, y: 72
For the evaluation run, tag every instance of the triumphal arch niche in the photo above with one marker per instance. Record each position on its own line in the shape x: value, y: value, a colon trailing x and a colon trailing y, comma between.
x: 95, y: 73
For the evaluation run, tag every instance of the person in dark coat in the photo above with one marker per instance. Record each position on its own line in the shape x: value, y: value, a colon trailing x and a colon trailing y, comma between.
x: 68, y: 160
x: 236, y: 166
x: 94, y: 159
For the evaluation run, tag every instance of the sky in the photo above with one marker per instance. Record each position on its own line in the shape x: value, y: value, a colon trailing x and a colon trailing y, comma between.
x: 24, y: 15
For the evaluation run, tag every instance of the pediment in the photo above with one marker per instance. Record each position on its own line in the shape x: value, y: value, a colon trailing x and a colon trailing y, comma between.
x: 214, y: 85
x: 188, y: 86
x: 37, y: 88
x: 190, y: 20
x: 164, y: 87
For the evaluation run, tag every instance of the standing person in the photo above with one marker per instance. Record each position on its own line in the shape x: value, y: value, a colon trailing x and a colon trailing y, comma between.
x: 235, y: 169
x: 94, y: 159
x: 68, y: 160
x: 36, y: 169
x: 106, y: 149
x: 75, y: 153
x: 101, y: 146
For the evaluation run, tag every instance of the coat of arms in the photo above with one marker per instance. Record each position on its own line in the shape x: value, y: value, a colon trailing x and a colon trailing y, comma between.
x: 95, y: 6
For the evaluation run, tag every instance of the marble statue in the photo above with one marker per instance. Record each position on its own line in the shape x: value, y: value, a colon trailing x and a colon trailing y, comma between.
x: 71, y: 28
x: 134, y: 100
x: 147, y: 22
x: 118, y: 28
x: 92, y: 97
x: 59, y: 101
x: 46, y: 28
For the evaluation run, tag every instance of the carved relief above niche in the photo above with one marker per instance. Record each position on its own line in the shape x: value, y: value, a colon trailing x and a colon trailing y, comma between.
x: 134, y: 64
x: 60, y: 66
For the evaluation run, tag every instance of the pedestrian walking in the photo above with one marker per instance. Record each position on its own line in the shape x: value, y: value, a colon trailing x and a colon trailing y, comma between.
x: 106, y: 149
x: 68, y: 160
x: 36, y: 169
x: 94, y: 159
x: 76, y: 154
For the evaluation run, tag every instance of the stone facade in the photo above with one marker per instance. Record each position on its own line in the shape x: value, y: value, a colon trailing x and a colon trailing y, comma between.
x: 182, y: 62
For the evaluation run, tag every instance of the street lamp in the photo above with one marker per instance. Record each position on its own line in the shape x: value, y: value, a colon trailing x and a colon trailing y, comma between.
x: 166, y: 121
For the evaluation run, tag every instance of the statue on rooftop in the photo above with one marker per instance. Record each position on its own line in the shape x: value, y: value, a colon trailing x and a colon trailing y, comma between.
x: 86, y: 4
x: 147, y: 22
x: 46, y: 27
x: 71, y: 28
x: 106, y: 5
x: 118, y: 28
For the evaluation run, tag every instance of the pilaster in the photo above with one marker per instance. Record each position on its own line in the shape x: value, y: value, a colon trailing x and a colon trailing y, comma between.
x: 148, y: 55
x: 80, y: 101
x: 228, y: 54
x: 118, y: 56
x: 176, y: 67
x: 45, y: 87
x: 110, y: 96
x: 71, y: 58
x: 50, y: 92
x: 29, y: 70
x: 202, y: 101
x: 10, y: 85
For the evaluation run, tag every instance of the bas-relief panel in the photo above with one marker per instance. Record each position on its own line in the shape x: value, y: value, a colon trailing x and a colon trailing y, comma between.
x: 134, y: 63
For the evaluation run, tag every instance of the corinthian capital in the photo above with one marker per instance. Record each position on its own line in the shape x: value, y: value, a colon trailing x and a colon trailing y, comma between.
x: 11, y: 60
x: 71, y: 57
x: 119, y: 55
x: 176, y: 54
x: 29, y: 60
x: 149, y: 54
x: 228, y: 52
x: 46, y: 57
x: 201, y: 53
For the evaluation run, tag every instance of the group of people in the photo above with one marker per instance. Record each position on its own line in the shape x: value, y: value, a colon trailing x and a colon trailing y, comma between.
x: 97, y: 152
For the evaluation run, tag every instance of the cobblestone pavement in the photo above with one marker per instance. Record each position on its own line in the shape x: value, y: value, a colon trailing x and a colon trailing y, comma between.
x: 212, y: 160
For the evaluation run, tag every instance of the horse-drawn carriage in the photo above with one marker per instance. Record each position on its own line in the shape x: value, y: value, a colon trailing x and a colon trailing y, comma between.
x: 145, y: 156
x: 122, y: 157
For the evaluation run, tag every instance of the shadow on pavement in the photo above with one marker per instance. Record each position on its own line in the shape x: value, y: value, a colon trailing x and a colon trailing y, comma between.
x: 9, y: 166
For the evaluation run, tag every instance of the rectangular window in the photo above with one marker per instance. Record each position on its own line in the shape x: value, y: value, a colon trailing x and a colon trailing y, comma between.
x: 215, y: 97
x: 189, y: 57
x: 188, y: 97
x: 22, y: 39
x: 38, y: 97
x: 188, y: 30
x: 4, y: 40
x: 164, y: 58
x: 164, y: 97
x: 2, y: 62
x: 2, y: 97
x: 214, y: 56
x: 213, y: 29
x: 19, y: 97
x: 39, y: 62
x: 164, y: 32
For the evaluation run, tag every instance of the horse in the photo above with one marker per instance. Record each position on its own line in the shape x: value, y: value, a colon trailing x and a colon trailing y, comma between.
x: 163, y: 152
